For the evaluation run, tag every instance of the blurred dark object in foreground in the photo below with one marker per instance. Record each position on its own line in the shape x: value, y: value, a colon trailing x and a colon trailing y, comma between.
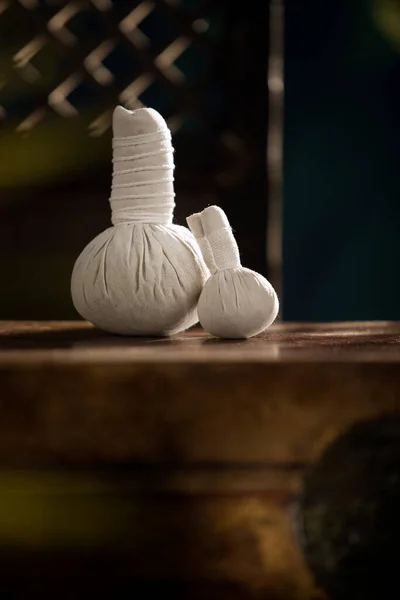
x: 349, y: 513
x: 201, y: 64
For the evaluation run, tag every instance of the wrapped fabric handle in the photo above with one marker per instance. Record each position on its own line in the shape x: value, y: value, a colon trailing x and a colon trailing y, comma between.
x: 222, y: 251
x: 142, y: 188
x: 196, y: 227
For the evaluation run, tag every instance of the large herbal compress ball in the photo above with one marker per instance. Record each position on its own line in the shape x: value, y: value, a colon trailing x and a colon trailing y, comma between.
x: 143, y: 275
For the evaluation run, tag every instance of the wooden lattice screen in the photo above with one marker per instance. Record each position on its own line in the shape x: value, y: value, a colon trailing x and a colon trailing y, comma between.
x: 201, y: 63
x: 105, y: 51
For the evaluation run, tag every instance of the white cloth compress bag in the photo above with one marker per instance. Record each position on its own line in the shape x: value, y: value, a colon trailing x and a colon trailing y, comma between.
x: 235, y: 302
x: 144, y: 275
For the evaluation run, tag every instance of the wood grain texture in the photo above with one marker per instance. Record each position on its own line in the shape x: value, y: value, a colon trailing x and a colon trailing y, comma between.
x: 80, y: 342
x: 242, y: 542
x: 72, y: 393
x: 170, y: 466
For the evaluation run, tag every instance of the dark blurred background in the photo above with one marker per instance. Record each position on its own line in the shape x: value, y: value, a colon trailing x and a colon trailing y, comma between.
x: 341, y: 246
x: 66, y: 65
x: 204, y: 65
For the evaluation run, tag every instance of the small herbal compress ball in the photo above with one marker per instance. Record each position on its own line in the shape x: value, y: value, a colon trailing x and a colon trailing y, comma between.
x: 235, y: 302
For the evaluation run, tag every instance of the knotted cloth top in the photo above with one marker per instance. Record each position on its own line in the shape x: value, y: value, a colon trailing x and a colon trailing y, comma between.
x: 143, y: 164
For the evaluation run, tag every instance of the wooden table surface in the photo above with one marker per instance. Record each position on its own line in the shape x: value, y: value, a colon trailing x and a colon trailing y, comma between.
x: 79, y: 342
x: 180, y: 455
x: 72, y: 392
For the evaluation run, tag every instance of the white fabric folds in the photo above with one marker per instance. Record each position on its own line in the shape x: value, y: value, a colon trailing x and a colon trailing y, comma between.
x: 143, y: 275
x: 235, y: 302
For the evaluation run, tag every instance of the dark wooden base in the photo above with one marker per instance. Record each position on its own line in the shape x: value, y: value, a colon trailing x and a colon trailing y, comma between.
x: 172, y: 466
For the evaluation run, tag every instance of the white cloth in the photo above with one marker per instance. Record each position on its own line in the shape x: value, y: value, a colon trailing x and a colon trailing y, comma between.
x: 144, y: 275
x: 235, y: 302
